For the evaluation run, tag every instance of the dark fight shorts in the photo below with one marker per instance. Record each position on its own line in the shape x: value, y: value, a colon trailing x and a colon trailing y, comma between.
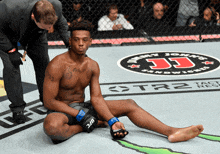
x: 72, y: 120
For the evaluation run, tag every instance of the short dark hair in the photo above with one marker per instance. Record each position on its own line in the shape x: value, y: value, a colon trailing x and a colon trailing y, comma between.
x: 112, y: 6
x: 81, y: 25
x: 44, y: 12
x: 77, y: 1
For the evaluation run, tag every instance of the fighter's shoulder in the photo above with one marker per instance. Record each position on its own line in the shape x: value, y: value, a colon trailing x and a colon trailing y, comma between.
x: 58, y: 61
x: 94, y: 66
x: 91, y: 61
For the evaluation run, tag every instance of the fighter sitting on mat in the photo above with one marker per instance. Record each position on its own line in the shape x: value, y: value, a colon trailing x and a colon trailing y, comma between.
x: 66, y: 78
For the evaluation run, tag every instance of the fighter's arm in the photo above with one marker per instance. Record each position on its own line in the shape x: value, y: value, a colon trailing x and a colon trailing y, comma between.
x: 97, y: 99
x: 52, y: 79
x: 98, y: 102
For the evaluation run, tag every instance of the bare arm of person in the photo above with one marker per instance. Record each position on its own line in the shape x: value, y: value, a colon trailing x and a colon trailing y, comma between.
x: 97, y: 99
x: 53, y: 75
x: 98, y: 102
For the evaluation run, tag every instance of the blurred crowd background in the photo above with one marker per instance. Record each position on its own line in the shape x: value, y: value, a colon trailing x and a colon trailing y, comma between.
x: 149, y: 19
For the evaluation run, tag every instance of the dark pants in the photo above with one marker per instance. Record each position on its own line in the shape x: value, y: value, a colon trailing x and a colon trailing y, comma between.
x: 38, y: 52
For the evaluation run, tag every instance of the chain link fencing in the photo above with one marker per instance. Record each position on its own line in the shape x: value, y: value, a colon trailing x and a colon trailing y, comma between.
x: 132, y: 22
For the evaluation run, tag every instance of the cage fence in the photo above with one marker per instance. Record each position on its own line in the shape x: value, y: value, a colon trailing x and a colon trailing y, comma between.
x: 129, y: 22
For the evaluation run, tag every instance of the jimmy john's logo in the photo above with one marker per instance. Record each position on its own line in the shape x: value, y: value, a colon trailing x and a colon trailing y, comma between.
x: 169, y: 63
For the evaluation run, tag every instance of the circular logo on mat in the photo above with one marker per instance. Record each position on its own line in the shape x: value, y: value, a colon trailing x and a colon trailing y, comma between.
x: 169, y: 63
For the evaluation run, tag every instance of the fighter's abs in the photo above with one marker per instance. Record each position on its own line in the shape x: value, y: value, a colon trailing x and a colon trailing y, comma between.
x: 74, y: 81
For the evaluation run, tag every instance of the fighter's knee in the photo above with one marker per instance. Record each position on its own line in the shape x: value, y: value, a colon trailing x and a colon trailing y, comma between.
x: 51, y: 128
x: 132, y: 102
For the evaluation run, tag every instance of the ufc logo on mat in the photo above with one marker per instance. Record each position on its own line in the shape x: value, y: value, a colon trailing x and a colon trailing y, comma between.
x: 34, y: 112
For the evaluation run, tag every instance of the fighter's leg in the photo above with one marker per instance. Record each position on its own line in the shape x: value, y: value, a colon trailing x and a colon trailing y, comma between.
x: 57, y: 128
x: 143, y: 119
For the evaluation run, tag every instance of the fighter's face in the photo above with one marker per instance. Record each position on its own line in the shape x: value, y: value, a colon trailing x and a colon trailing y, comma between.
x: 80, y: 41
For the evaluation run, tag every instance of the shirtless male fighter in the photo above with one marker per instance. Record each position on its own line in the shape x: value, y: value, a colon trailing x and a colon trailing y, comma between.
x: 66, y: 78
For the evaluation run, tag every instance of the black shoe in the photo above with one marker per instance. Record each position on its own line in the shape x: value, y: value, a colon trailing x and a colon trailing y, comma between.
x: 19, y: 117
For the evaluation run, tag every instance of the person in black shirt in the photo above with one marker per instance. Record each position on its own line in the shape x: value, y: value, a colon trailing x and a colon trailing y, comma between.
x: 27, y: 22
x: 210, y: 18
x: 156, y: 19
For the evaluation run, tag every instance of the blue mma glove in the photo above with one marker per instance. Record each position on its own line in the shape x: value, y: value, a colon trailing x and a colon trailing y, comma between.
x: 113, y: 132
x: 86, y: 120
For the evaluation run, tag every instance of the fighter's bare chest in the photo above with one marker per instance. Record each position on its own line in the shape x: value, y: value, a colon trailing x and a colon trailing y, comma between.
x: 76, y: 77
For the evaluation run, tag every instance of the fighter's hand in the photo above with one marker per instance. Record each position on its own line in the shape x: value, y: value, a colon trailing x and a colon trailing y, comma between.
x: 119, y: 126
x: 86, y: 120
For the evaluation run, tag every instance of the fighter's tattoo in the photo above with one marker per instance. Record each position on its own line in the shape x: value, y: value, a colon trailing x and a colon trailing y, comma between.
x: 49, y: 75
x: 68, y: 74
x: 76, y: 70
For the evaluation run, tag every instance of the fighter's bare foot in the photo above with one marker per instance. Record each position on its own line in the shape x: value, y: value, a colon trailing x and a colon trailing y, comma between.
x: 184, y: 134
